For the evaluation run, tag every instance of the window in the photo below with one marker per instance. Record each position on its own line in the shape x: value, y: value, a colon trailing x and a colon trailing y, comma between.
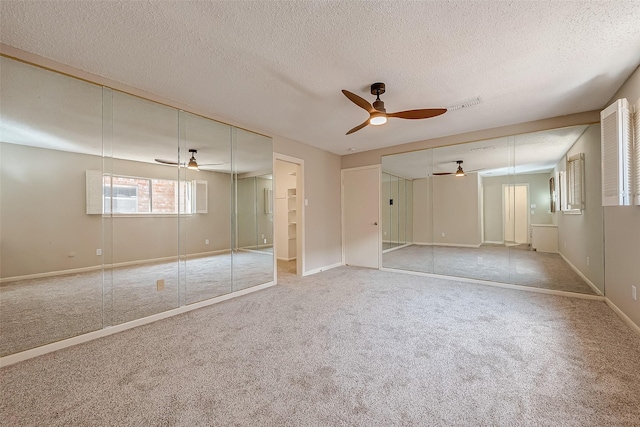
x: 128, y: 195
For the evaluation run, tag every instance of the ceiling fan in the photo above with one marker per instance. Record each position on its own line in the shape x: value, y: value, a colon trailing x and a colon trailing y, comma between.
x: 191, y: 164
x: 378, y: 114
x: 458, y: 172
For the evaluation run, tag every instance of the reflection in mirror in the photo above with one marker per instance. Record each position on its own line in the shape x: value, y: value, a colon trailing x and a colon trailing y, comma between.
x: 495, y: 222
x: 115, y: 208
x: 206, y: 229
x: 253, y: 257
x: 51, y: 133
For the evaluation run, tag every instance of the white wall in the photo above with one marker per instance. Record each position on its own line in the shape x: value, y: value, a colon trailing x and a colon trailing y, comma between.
x: 622, y: 235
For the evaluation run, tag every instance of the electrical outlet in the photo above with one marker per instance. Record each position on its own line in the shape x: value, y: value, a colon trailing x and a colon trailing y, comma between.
x: 206, y: 241
x: 587, y: 260
x: 442, y: 234
x: 634, y: 295
x: 265, y: 241
x: 72, y: 254
x: 98, y: 252
x: 160, y: 285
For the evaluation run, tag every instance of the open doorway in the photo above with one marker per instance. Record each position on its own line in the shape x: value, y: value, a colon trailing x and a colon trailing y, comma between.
x: 289, y: 215
x: 516, y: 214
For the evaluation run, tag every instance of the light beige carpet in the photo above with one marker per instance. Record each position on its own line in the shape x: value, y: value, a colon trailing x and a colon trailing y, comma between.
x: 350, y: 347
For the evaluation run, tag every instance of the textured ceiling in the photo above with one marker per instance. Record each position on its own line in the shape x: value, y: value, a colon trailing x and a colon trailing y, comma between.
x: 278, y: 67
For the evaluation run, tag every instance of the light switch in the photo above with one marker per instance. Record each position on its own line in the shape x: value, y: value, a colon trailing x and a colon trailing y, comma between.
x: 533, y: 206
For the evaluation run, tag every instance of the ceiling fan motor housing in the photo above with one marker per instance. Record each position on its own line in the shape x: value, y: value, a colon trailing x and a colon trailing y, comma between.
x: 377, y: 89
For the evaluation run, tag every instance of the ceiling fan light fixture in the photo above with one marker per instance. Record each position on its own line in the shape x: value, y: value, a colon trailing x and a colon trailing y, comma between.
x: 460, y: 172
x: 378, y: 119
x: 193, y: 164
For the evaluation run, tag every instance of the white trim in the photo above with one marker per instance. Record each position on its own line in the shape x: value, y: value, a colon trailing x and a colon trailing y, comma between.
x: 321, y: 269
x: 110, y: 330
x: 422, y: 244
x: 500, y: 285
x: 109, y: 266
x: 582, y: 276
x: 623, y: 316
x: 492, y: 242
x: 286, y: 259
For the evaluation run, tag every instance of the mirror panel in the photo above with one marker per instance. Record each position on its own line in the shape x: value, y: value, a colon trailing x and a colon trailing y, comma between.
x: 51, y: 134
x: 486, y: 225
x: 252, y: 254
x: 102, y: 220
x: 206, y: 228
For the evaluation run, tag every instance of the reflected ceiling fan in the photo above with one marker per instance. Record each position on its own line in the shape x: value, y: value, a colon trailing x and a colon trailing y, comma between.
x: 378, y: 114
x: 458, y: 172
x: 191, y: 164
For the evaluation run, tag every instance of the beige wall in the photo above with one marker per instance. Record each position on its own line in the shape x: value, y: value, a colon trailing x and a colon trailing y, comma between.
x: 492, y: 202
x: 622, y: 235
x: 43, y: 216
x: 456, y: 210
x: 581, y: 236
x: 422, y: 215
x: 323, y: 234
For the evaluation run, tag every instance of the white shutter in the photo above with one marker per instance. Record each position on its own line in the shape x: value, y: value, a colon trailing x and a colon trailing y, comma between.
x: 636, y: 152
x: 200, y: 197
x: 94, y: 192
x: 616, y: 153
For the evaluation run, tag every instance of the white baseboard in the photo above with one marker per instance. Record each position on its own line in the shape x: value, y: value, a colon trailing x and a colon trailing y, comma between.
x: 48, y: 348
x: 457, y: 245
x: 321, y: 269
x: 422, y: 243
x: 582, y: 276
x: 286, y: 259
x: 491, y: 242
x: 395, y: 248
x: 623, y: 316
x: 500, y: 285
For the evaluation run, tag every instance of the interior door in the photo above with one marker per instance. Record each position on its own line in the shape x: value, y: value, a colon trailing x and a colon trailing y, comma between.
x: 516, y: 216
x: 360, y: 216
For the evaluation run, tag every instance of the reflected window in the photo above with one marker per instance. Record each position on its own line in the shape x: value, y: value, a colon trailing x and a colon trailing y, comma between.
x: 127, y: 195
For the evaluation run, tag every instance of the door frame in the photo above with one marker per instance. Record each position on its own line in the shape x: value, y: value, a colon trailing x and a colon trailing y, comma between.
x: 504, y: 234
x: 300, y: 232
x: 377, y: 167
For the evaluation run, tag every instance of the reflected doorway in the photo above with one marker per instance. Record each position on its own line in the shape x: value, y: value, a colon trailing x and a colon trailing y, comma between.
x: 516, y: 214
x: 289, y: 215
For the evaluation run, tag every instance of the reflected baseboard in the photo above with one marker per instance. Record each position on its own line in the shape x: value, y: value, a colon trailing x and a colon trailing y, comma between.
x: 111, y: 266
x: 499, y: 284
x: 396, y: 248
x: 286, y: 259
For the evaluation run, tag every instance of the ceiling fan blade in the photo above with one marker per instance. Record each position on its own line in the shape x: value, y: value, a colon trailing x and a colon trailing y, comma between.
x: 442, y: 173
x: 357, y: 128
x: 166, y: 162
x: 360, y: 102
x: 418, y: 114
